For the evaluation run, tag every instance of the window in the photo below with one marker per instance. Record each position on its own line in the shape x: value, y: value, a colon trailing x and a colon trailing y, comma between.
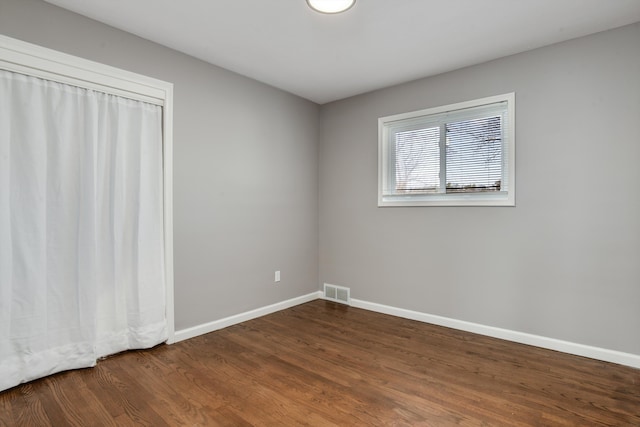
x: 456, y: 155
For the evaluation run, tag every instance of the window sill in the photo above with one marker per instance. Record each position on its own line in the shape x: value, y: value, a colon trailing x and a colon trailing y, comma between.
x: 502, y: 198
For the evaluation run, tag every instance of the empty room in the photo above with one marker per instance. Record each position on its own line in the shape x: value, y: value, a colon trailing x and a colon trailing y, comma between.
x: 319, y: 212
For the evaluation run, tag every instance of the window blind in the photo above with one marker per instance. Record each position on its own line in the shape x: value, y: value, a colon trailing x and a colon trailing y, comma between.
x: 451, y: 152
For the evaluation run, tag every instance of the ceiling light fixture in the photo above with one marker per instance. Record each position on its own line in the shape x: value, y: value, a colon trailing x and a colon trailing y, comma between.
x: 331, y: 6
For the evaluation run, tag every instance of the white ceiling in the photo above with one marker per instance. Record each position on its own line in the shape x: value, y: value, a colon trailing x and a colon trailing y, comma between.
x: 376, y: 44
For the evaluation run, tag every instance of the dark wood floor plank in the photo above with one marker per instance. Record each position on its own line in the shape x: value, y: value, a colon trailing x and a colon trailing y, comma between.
x: 5, y: 409
x: 264, y: 386
x: 29, y: 410
x: 67, y: 401
x: 365, y: 387
x: 399, y: 378
x: 403, y: 367
x: 550, y: 380
x: 323, y: 364
x: 174, y: 407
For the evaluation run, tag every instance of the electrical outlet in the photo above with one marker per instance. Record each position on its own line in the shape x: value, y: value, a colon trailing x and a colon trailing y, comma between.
x: 277, y: 276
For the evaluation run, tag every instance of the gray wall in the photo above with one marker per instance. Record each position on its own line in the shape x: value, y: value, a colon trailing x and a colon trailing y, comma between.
x: 245, y: 167
x: 565, y: 262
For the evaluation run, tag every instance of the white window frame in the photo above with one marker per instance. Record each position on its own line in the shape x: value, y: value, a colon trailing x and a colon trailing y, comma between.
x: 26, y: 58
x: 387, y: 197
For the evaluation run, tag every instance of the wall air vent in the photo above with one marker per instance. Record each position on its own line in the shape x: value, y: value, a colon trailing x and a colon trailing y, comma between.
x: 337, y: 293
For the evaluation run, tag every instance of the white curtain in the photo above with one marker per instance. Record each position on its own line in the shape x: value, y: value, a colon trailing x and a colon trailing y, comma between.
x: 81, y: 227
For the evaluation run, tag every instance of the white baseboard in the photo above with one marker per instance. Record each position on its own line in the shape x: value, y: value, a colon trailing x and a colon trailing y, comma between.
x: 597, y: 353
x: 205, y: 328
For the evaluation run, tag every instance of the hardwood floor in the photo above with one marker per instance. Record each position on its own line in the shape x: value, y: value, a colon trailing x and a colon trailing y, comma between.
x: 323, y: 364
